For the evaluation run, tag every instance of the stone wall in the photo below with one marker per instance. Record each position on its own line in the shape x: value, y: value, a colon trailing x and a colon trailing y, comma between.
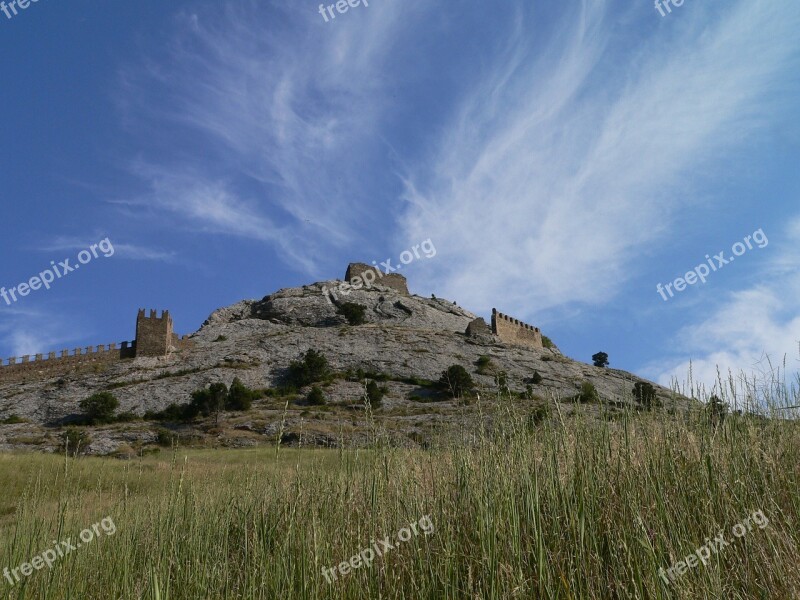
x: 39, y: 367
x: 512, y: 331
x: 392, y: 280
x: 154, y: 337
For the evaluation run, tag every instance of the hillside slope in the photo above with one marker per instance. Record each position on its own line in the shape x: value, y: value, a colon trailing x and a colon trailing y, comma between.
x: 406, y: 340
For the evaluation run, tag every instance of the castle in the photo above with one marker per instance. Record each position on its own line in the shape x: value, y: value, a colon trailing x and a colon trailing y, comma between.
x: 154, y: 337
x: 509, y: 330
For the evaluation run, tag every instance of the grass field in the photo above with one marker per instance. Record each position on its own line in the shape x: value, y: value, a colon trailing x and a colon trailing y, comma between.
x: 570, y: 508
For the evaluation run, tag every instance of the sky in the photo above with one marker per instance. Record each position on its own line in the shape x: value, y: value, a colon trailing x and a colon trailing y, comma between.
x: 563, y: 159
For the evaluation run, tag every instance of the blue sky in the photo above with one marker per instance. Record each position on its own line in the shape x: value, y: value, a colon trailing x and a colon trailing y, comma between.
x: 563, y: 158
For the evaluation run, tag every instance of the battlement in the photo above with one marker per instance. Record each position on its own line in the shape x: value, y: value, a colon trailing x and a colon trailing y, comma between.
x: 154, y: 337
x: 126, y: 350
x: 514, y: 331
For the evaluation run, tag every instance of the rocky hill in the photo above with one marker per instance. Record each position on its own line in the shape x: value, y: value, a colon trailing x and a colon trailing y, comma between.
x: 406, y: 341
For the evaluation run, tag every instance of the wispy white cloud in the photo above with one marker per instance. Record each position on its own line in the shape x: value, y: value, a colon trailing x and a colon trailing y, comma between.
x: 752, y: 331
x: 567, y: 162
x: 125, y: 251
x: 288, y: 122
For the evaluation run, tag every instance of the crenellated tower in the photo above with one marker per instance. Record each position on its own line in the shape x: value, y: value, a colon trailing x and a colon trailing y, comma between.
x: 154, y: 335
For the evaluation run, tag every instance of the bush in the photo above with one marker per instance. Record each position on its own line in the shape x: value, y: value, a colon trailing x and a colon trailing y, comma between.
x: 600, y: 359
x: 208, y: 401
x: 354, y: 313
x: 240, y: 397
x: 547, y: 342
x: 501, y: 380
x: 75, y: 441
x: 13, y: 420
x: 375, y: 394
x: 164, y: 437
x: 99, y: 408
x: 173, y: 412
x: 456, y: 381
x: 717, y: 410
x: 127, y: 417
x: 588, y: 394
x: 645, y: 394
x: 537, y: 378
x: 484, y: 365
x: 541, y: 413
x: 312, y: 368
x: 316, y: 397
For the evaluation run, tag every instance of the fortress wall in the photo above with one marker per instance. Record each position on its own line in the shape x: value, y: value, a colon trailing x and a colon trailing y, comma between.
x: 154, y: 337
x: 513, y: 331
x: 392, y: 280
x: 25, y: 368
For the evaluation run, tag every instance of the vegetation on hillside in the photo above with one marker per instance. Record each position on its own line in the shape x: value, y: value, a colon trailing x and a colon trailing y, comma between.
x: 524, y: 507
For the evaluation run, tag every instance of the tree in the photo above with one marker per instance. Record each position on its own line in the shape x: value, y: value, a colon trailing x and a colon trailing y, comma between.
x: 99, y: 408
x: 456, y: 381
x: 645, y: 393
x: 240, y: 397
x: 218, y: 393
x: 600, y: 359
x: 354, y: 313
x: 316, y: 397
x: 312, y: 368
x: 208, y: 401
x: 375, y: 394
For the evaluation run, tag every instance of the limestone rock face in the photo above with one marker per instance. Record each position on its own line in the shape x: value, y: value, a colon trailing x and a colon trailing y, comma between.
x: 479, y: 330
x: 406, y: 337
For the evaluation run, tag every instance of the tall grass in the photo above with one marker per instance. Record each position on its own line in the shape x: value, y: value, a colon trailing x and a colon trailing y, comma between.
x: 573, y: 508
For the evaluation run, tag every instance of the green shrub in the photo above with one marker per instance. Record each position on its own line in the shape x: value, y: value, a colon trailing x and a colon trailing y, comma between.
x: 208, y: 401
x: 645, y: 394
x: 173, y: 413
x: 456, y: 381
x: 541, y: 413
x: 501, y: 381
x: 13, y: 420
x: 354, y: 313
x: 588, y: 394
x: 547, y: 342
x: 316, y: 397
x: 164, y: 437
x: 717, y: 410
x: 375, y: 394
x: 75, y: 441
x: 99, y: 408
x: 240, y: 397
x: 127, y: 417
x: 537, y: 378
x: 485, y: 365
x: 312, y: 368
